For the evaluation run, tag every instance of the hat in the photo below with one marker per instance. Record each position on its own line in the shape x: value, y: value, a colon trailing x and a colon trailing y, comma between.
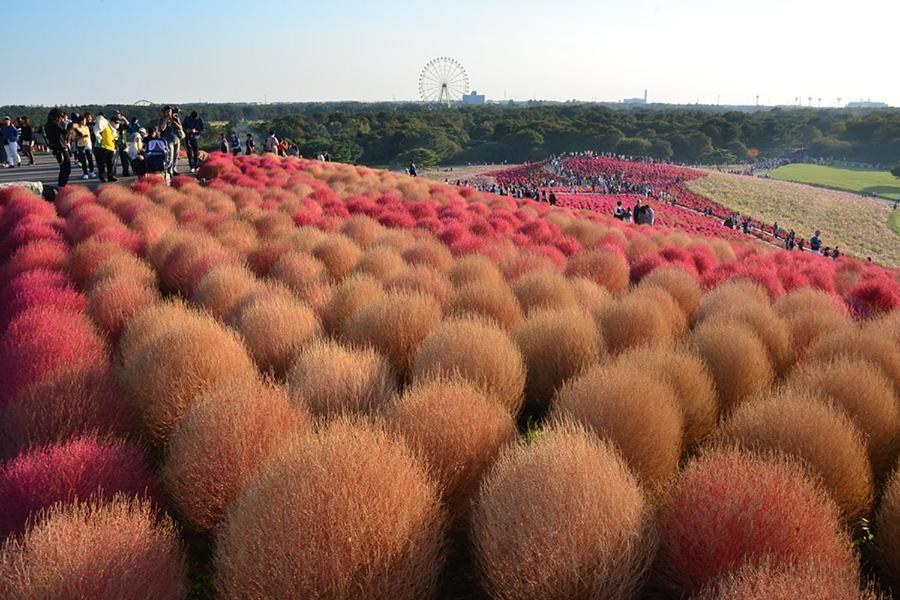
x: 6, y: 118
x: 142, y: 131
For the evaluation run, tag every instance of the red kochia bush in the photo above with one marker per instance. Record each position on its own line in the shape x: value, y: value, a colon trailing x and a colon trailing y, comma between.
x: 122, y: 549
x: 731, y: 508
x: 349, y: 512
x: 477, y: 351
x: 457, y: 428
x: 69, y: 402
x: 38, y: 288
x: 42, y: 254
x: 41, y: 340
x: 74, y: 470
x: 561, y: 517
x: 221, y: 442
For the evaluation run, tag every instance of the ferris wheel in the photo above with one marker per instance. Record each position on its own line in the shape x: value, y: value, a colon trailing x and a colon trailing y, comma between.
x: 443, y: 81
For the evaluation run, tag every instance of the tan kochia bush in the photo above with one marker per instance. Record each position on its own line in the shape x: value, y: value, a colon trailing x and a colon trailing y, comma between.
x: 736, y: 358
x: 347, y: 513
x: 492, y: 301
x: 151, y: 322
x: 348, y: 298
x: 121, y: 549
x: 125, y: 266
x: 772, y: 330
x: 886, y: 327
x: 887, y: 527
x: 475, y: 268
x: 632, y: 410
x: 818, y: 434
x: 477, y: 351
x: 397, y: 240
x: 679, y: 284
x: 339, y: 255
x: 421, y: 279
x: 458, y: 429
x: 543, y: 290
x: 602, y: 267
x: 689, y: 379
x: 165, y: 375
x: 430, y: 253
x: 862, y: 345
x: 637, y: 320
x: 114, y: 301
x: 556, y: 345
x: 809, y: 300
x: 865, y: 394
x: 380, y: 263
x: 333, y: 379
x: 297, y: 270
x: 591, y: 297
x: 221, y: 442
x: 561, y: 518
x: 730, y: 296
x: 362, y: 229
x: 807, y: 327
x: 395, y: 325
x: 223, y: 287
x: 789, y: 580
x: 275, y: 327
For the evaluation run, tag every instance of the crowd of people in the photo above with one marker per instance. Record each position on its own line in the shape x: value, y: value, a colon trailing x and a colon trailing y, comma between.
x: 15, y: 135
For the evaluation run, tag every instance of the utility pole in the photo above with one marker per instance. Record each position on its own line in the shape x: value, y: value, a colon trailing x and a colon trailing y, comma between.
x: 757, y: 100
x: 839, y: 102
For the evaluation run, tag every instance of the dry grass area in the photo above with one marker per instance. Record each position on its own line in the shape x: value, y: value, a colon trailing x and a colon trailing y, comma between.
x: 451, y: 174
x: 858, y: 226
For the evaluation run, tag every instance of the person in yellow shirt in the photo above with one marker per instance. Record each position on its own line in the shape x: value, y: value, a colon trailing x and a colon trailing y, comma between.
x: 106, y: 152
x: 84, y: 150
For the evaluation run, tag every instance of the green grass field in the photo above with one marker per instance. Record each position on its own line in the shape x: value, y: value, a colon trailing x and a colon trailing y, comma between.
x: 880, y: 183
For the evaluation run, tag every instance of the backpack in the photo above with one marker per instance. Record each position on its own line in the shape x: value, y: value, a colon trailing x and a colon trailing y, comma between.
x: 156, y: 156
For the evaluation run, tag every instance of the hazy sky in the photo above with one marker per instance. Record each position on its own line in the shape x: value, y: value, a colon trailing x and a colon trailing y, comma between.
x: 80, y: 51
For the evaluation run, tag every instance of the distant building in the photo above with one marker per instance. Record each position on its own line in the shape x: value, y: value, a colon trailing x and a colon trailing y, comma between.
x: 636, y: 100
x: 473, y: 97
x: 867, y: 104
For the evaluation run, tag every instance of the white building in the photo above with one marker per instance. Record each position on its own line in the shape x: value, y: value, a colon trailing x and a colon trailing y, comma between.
x: 473, y: 97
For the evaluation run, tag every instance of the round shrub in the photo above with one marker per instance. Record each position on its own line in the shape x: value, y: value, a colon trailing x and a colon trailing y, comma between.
x: 689, y: 379
x: 809, y: 300
x: 167, y: 373
x: 473, y: 269
x: 394, y: 324
x: 543, y: 290
x: 816, y: 433
x: 51, y: 255
x: 339, y: 255
x: 121, y: 549
x: 77, y: 469
x: 556, y: 345
x: 114, y: 301
x: 561, y: 518
x: 151, y: 322
x: 887, y: 528
x: 68, y: 403
x: 87, y: 256
x: 39, y: 288
x: 380, y: 263
x: 223, y: 287
x: 730, y: 296
x: 123, y: 266
x: 592, y: 298
x: 637, y: 320
x: 771, y: 329
x: 487, y: 300
x: 637, y: 414
x: 458, y: 430
x: 479, y: 352
x: 861, y: 345
x: 429, y: 253
x: 679, y: 284
x: 421, y: 279
x: 732, y: 508
x: 296, y: 270
x: 42, y: 340
x: 603, y: 267
x: 362, y: 229
x: 865, y: 394
x: 324, y: 500
x: 221, y: 442
x: 788, y: 580
x: 348, y: 298
x: 274, y: 327
x: 807, y: 327
x: 333, y: 379
x: 738, y: 361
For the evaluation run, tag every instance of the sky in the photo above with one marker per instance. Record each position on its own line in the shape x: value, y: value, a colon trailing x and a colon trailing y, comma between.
x: 681, y: 51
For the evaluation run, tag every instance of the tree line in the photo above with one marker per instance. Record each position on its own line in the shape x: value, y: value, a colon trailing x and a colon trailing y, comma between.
x: 384, y: 134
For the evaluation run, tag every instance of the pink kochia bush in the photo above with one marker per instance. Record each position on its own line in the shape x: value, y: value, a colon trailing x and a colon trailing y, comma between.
x: 79, y: 469
x: 120, y: 549
x: 41, y: 340
x: 733, y: 508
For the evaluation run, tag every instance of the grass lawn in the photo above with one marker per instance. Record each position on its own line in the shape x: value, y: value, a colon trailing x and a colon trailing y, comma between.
x: 861, y: 227
x: 880, y: 183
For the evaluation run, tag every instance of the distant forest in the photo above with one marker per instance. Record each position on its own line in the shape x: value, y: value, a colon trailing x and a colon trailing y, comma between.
x: 394, y: 133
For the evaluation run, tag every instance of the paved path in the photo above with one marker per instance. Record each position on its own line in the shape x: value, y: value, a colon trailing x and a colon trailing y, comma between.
x: 46, y: 170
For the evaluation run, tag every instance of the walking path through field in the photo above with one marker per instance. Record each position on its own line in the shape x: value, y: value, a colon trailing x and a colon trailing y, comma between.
x: 46, y: 170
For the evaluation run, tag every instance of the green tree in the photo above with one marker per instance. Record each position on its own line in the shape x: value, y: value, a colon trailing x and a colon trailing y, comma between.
x: 634, y: 146
x: 423, y: 157
x: 896, y: 171
x: 660, y: 150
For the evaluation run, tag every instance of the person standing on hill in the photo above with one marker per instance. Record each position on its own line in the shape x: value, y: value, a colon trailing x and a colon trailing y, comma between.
x: 223, y: 143
x: 27, y: 138
x: 815, y: 242
x: 619, y: 211
x: 10, y: 137
x: 106, y: 151
x: 649, y: 215
x: 58, y: 142
x: 271, y: 144
x: 412, y: 169
x: 171, y: 132
x: 249, y: 145
x: 84, y: 149
x: 193, y: 128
